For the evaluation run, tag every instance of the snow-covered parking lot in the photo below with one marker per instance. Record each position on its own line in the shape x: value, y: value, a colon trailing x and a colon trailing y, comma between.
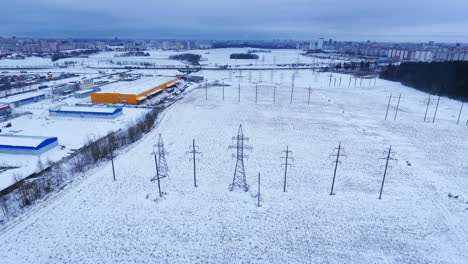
x: 418, y: 219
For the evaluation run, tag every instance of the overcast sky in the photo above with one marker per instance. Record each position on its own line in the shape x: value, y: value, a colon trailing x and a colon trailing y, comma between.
x: 380, y: 20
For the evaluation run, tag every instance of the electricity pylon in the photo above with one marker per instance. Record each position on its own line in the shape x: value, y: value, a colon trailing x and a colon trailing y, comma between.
x: 239, y: 180
x: 162, y: 163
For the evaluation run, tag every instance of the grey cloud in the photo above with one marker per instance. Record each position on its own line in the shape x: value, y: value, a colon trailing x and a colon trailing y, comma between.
x: 417, y: 20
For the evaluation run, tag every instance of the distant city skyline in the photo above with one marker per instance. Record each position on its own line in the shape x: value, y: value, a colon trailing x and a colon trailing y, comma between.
x: 357, y: 20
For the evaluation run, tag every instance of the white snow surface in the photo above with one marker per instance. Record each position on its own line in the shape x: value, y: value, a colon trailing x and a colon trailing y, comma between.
x: 160, y: 58
x: 102, y: 221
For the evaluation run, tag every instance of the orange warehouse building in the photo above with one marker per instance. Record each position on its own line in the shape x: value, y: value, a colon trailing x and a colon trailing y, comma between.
x: 133, y: 92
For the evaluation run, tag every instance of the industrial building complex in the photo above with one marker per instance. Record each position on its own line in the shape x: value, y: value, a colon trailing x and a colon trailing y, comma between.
x: 133, y: 92
x: 84, y: 112
x: 26, y: 145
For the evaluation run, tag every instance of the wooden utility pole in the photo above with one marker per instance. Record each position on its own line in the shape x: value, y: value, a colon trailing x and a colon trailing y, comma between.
x: 258, y: 192
x: 427, y: 108
x: 435, y: 112
x: 459, y: 114
x: 398, y: 105
x: 292, y: 89
x: 388, y: 106
x: 340, y: 83
x: 112, y: 161
x: 286, y: 164
x: 274, y: 94
x: 388, y: 158
x: 194, y: 166
x: 256, y: 93
x: 337, y: 161
x: 349, y: 81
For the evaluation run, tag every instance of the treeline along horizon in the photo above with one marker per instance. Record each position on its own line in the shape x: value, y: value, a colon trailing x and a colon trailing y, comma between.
x: 441, y: 78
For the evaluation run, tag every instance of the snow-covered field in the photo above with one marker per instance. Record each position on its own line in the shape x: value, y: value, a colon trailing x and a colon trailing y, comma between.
x: 160, y: 58
x: 101, y: 221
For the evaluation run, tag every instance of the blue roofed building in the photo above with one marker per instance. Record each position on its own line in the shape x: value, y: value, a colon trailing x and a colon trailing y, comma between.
x: 21, y: 99
x: 86, y: 112
x: 26, y: 145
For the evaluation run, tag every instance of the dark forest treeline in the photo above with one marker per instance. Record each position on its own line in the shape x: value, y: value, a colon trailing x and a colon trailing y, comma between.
x: 442, y: 78
x: 194, y: 59
x: 72, y: 54
x: 244, y: 56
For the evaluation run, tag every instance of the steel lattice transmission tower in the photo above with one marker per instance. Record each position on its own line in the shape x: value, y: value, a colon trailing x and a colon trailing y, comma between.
x: 239, y: 180
x: 162, y: 163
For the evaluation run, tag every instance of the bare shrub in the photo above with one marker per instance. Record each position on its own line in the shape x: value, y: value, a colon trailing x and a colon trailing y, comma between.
x: 58, y: 175
x: 78, y: 163
x: 40, y: 165
x: 4, y: 205
x: 25, y: 192
x: 132, y: 133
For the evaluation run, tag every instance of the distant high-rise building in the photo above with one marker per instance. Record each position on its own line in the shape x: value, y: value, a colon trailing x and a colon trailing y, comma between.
x: 320, y: 44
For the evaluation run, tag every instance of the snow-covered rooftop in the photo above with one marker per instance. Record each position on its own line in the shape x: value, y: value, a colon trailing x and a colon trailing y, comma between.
x: 135, y: 87
x: 84, y: 91
x: 20, y: 97
x: 21, y: 141
x: 84, y: 109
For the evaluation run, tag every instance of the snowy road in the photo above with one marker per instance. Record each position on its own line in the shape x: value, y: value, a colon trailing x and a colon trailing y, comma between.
x: 101, y: 221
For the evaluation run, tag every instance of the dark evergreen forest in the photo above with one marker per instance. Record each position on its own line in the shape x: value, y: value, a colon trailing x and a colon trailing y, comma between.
x: 442, y: 78
x: 194, y: 59
x: 245, y: 56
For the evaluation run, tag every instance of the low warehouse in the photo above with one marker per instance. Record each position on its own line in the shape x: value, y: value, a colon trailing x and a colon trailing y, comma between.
x: 21, y: 99
x: 5, y: 110
x: 26, y: 145
x: 64, y: 89
x: 86, y: 92
x: 86, y: 112
x: 133, y: 92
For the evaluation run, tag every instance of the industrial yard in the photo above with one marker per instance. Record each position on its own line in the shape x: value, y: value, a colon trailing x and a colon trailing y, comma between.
x: 65, y: 109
